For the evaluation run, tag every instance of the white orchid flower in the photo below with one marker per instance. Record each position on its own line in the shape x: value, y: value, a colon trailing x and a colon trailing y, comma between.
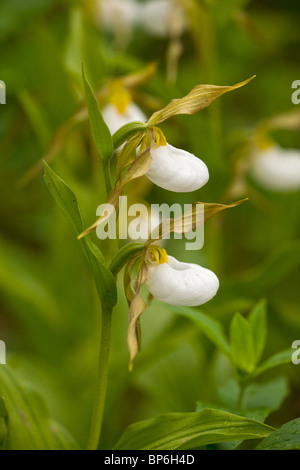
x: 176, y: 170
x: 158, y: 16
x: 180, y: 284
x: 114, y: 14
x: 277, y: 169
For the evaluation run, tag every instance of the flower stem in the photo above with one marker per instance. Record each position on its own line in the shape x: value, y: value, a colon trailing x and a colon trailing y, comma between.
x: 114, y: 246
x: 239, y: 404
x: 101, y: 387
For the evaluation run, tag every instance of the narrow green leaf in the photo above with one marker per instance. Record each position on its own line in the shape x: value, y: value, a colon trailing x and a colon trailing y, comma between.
x: 212, y: 328
x: 124, y: 255
x: 66, y: 199
x: 189, y: 430
x: 259, y: 414
x: 101, y: 134
x: 200, y: 97
x: 285, y: 438
x: 29, y: 425
x: 283, y: 357
x: 258, y: 323
x: 241, y: 345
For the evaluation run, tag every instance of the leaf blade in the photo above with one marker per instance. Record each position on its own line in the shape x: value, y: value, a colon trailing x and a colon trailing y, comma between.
x: 198, y: 98
x: 241, y: 345
x: 67, y: 201
x: 187, y: 430
x: 101, y: 134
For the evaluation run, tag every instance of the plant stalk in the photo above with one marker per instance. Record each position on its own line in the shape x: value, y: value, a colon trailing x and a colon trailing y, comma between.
x: 102, y: 379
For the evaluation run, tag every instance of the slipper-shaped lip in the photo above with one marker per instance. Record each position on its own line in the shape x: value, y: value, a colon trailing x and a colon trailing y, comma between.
x: 277, y: 169
x: 176, y: 170
x: 181, y: 284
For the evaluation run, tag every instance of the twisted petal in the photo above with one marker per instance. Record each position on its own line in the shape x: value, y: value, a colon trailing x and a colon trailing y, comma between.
x: 277, y: 169
x: 115, y: 120
x: 181, y: 284
x: 176, y: 170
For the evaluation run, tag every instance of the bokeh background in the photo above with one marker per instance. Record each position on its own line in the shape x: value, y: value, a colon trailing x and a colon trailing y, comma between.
x: 48, y: 303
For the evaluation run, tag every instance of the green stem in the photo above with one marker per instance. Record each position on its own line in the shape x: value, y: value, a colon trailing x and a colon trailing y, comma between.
x: 107, y: 177
x: 114, y: 246
x: 239, y: 404
x: 102, y: 379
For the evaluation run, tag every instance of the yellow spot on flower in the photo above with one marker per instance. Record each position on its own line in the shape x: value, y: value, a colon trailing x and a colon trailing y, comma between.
x: 159, y: 137
x: 157, y: 254
x: 119, y: 97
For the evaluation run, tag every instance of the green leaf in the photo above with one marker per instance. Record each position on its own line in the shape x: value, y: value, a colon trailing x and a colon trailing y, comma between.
x: 211, y: 328
x: 200, y: 97
x: 241, y: 345
x: 283, y: 357
x: 66, y: 199
x: 259, y: 414
x: 101, y: 134
x: 285, y: 438
x: 125, y: 132
x: 3, y: 433
x: 124, y: 255
x: 258, y: 323
x: 63, y: 438
x: 29, y: 424
x: 189, y: 430
x: 268, y: 395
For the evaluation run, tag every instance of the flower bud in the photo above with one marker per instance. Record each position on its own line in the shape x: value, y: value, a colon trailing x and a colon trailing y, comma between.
x: 180, y: 284
x: 176, y: 170
x: 277, y: 169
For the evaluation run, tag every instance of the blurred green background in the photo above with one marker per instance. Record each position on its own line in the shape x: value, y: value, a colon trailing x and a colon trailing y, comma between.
x: 48, y: 303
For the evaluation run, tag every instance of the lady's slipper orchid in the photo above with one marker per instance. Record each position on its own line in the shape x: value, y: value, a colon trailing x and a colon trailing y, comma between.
x: 114, y: 14
x: 176, y: 170
x: 277, y: 169
x: 157, y: 17
x: 180, y: 284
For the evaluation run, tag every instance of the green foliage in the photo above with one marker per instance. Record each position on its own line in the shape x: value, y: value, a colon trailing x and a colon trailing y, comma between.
x: 29, y: 424
x: 212, y: 328
x: 283, y: 357
x: 258, y: 323
x: 101, y: 134
x: 267, y: 395
x: 241, y: 345
x: 285, y: 438
x: 67, y: 201
x: 247, y: 339
x: 189, y: 430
